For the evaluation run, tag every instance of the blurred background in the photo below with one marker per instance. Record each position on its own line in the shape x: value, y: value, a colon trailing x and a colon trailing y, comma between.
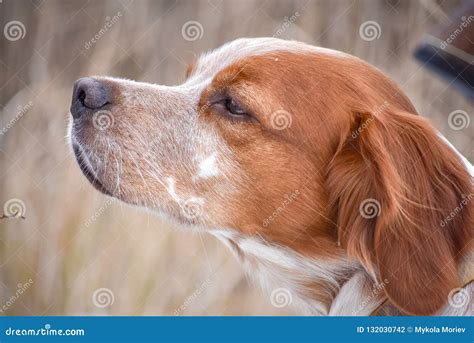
x: 77, y: 251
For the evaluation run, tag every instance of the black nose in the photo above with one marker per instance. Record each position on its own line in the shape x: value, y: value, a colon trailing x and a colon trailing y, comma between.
x: 89, y: 94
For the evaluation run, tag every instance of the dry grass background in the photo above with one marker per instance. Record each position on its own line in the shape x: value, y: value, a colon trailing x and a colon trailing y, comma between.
x: 74, y: 240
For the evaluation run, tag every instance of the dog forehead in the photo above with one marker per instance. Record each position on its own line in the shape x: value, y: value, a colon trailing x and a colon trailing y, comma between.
x: 212, y: 62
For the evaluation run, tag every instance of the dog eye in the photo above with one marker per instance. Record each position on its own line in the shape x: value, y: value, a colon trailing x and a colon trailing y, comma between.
x: 233, y: 108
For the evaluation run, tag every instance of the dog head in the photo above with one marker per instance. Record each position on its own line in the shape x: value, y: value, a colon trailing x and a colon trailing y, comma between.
x: 310, y: 148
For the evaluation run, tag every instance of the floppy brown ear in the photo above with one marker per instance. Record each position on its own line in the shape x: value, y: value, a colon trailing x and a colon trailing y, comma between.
x: 394, y: 185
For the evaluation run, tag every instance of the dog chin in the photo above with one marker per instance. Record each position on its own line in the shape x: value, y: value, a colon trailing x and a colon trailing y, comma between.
x: 87, y: 170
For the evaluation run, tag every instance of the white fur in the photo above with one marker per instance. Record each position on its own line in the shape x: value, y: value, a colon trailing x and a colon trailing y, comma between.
x: 355, y: 298
x: 171, y: 188
x: 279, y: 267
x: 208, y: 167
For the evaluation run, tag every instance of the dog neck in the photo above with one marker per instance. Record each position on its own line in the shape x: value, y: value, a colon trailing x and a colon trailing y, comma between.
x: 334, y: 286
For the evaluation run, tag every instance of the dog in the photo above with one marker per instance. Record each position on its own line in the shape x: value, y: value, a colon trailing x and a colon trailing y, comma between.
x: 309, y: 163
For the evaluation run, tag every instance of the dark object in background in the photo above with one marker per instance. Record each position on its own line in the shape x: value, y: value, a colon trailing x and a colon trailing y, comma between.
x: 449, y: 49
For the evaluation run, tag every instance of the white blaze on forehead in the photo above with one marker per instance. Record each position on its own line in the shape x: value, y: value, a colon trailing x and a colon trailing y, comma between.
x: 210, y: 63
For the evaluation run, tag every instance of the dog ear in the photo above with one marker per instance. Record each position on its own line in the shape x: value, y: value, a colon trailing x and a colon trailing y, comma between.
x: 394, y: 185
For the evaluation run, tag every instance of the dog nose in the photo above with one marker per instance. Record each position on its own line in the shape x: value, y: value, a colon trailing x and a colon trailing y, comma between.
x: 89, y: 94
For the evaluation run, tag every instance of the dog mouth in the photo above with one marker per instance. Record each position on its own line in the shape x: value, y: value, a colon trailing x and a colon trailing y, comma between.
x: 87, y: 170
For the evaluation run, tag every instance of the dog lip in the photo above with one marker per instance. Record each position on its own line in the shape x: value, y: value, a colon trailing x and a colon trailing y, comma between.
x: 87, y: 172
